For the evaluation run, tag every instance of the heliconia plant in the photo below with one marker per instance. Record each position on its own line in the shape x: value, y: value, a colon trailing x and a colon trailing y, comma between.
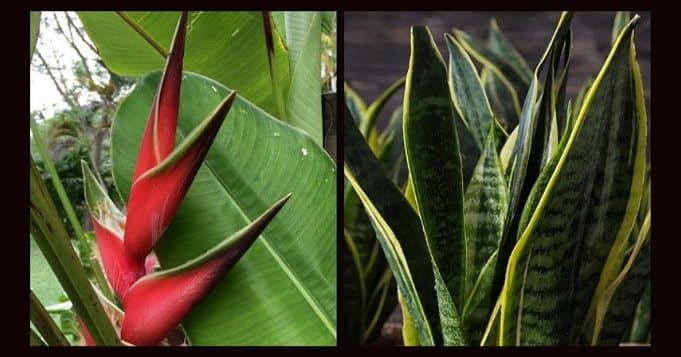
x: 155, y: 303
x: 503, y: 234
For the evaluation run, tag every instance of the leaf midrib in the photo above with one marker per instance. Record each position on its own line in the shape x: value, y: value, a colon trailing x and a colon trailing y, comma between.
x: 281, y: 261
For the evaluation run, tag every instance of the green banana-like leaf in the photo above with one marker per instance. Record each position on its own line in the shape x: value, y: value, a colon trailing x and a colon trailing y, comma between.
x: 602, y: 162
x: 433, y: 159
x: 328, y: 21
x: 279, y: 24
x: 304, y: 104
x: 239, y: 62
x: 529, y: 149
x: 502, y: 98
x: 485, y: 205
x: 468, y: 96
x: 398, y: 231
x: 284, y: 287
x: 33, y: 30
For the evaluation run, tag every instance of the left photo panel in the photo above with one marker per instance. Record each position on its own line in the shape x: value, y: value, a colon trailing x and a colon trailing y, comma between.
x: 183, y: 178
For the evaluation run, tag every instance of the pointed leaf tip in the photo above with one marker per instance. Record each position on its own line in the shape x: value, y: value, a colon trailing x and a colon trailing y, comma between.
x: 157, y: 303
x: 159, y: 135
x: 157, y: 194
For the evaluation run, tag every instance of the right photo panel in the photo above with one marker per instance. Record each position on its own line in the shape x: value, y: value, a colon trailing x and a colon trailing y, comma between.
x: 497, y: 179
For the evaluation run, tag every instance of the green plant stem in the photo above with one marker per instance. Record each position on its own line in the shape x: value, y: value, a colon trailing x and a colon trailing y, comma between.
x: 49, y: 233
x: 56, y: 181
x: 45, y: 325
x: 142, y: 33
x: 35, y: 339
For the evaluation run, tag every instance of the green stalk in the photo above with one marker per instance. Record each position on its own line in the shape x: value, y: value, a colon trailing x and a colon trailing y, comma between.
x: 61, y: 192
x: 68, y: 207
x: 49, y: 233
x: 35, y: 339
x: 45, y: 325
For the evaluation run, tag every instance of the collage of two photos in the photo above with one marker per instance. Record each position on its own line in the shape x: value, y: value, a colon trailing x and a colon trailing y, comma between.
x: 186, y: 187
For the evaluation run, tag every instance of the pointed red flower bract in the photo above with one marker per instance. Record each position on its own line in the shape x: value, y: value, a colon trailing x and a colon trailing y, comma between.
x: 121, y: 270
x: 87, y: 338
x: 159, y: 135
x: 155, y: 197
x: 157, y: 303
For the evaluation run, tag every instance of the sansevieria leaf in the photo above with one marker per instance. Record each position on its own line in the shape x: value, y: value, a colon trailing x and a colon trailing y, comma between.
x: 528, y: 150
x: 398, y: 230
x: 433, y: 159
x: 468, y: 95
x: 485, y: 205
x: 589, y: 201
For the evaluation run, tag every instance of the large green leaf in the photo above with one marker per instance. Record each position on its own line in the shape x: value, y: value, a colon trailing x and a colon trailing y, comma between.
x: 433, y: 158
x: 587, y: 205
x: 283, y: 291
x: 239, y: 62
x: 304, y: 104
x: 398, y: 231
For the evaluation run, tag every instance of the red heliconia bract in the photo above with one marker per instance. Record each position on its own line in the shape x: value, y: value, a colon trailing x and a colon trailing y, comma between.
x: 157, y: 303
x: 121, y: 270
x: 157, y: 194
x: 159, y: 134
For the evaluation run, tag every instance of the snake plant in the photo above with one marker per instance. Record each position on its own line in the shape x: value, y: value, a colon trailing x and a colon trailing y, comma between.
x: 522, y: 216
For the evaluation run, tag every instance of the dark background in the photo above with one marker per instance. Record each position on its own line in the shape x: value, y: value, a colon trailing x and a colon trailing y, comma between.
x: 376, y: 44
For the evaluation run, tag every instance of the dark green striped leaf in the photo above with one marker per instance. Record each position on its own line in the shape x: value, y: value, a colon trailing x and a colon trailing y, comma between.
x: 498, y: 44
x: 519, y: 80
x: 303, y: 103
x: 623, y: 175
x: 640, y: 328
x: 623, y: 305
x: 485, y: 205
x: 594, y: 187
x: 433, y: 158
x: 398, y: 231
x: 529, y: 149
x: 502, y: 98
x: 468, y: 95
